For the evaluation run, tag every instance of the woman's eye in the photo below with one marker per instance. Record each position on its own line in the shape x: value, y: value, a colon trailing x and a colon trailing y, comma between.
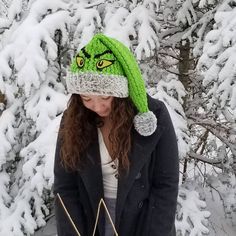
x: 104, y: 63
x: 106, y: 97
x: 85, y: 99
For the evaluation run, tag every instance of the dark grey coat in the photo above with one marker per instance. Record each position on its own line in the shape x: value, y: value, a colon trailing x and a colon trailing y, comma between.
x: 146, y: 197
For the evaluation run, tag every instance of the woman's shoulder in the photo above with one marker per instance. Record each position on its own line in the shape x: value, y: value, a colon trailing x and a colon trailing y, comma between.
x: 156, y: 105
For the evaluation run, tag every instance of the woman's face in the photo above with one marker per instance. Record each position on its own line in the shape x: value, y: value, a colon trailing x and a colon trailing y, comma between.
x: 98, y: 103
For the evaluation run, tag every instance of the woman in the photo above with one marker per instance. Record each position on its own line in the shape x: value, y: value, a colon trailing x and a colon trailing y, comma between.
x: 115, y: 143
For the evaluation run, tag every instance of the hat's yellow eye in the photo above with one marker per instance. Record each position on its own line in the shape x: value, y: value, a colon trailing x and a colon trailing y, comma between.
x: 104, y: 63
x: 80, y: 61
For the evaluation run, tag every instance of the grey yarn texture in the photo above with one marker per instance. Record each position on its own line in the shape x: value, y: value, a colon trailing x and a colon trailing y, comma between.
x: 145, y: 123
x: 97, y: 84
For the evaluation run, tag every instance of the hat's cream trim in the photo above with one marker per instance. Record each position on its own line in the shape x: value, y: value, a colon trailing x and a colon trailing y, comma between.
x: 97, y: 84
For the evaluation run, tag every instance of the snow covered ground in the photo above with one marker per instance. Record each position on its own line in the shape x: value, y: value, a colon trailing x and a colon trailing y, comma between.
x: 219, y: 224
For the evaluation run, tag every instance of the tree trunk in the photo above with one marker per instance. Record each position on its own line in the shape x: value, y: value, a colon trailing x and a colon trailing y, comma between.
x: 184, y: 63
x: 3, y: 102
x: 184, y: 66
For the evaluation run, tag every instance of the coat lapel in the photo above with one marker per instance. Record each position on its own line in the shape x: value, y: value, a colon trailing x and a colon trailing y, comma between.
x: 91, y: 175
x: 142, y: 148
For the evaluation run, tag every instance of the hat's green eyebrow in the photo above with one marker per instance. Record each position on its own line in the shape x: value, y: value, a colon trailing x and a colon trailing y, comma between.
x: 97, y: 55
x: 85, y: 53
x: 105, y: 52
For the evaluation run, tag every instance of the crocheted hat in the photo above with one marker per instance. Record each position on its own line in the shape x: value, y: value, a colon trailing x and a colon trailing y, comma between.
x: 107, y: 67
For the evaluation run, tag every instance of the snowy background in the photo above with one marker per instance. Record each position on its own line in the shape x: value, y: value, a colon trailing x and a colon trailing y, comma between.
x: 187, y: 52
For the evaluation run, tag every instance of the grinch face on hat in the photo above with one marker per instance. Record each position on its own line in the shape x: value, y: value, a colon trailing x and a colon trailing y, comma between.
x: 107, y: 67
x: 95, y: 70
x: 96, y: 58
x: 96, y: 63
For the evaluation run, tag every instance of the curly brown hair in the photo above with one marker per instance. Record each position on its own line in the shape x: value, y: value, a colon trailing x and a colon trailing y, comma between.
x: 78, y: 130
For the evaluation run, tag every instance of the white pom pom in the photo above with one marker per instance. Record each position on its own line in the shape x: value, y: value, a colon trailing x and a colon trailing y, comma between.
x: 145, y: 123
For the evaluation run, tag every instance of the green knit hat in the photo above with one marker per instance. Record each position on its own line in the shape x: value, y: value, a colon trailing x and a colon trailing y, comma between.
x: 107, y: 67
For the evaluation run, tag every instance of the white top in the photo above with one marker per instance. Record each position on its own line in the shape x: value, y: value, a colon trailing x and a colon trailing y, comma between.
x: 109, y: 169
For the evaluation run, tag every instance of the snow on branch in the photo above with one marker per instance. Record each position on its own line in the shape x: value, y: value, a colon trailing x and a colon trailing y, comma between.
x: 218, y: 61
x: 171, y: 91
x: 186, y: 14
x: 195, y: 18
x: 29, y: 79
x: 8, y: 134
x: 191, y: 218
x: 204, y: 159
x: 139, y: 25
x: 30, y: 60
x: 85, y: 21
x: 222, y: 132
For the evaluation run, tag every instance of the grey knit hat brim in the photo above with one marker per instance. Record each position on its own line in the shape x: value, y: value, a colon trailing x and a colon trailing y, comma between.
x: 97, y: 84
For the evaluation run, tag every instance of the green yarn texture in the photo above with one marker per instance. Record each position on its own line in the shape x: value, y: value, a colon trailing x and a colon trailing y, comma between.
x: 90, y: 55
x: 115, y: 59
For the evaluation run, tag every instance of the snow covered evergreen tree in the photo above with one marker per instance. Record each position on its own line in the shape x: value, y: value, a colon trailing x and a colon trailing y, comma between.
x: 30, y: 80
x: 209, y: 31
x: 217, y: 65
x: 37, y: 38
x: 211, y: 126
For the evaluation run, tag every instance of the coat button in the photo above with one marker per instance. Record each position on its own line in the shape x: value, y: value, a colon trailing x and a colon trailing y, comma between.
x: 140, y: 205
x: 138, y: 175
x: 113, y: 166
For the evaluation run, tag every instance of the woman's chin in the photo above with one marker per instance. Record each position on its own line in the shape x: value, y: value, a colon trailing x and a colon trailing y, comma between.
x: 104, y: 115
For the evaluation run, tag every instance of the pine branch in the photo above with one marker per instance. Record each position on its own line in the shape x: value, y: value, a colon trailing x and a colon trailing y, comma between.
x: 219, y: 130
x: 95, y: 4
x: 201, y: 158
x: 221, y: 198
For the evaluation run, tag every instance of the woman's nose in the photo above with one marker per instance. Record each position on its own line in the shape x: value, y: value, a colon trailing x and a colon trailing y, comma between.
x: 97, y: 106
